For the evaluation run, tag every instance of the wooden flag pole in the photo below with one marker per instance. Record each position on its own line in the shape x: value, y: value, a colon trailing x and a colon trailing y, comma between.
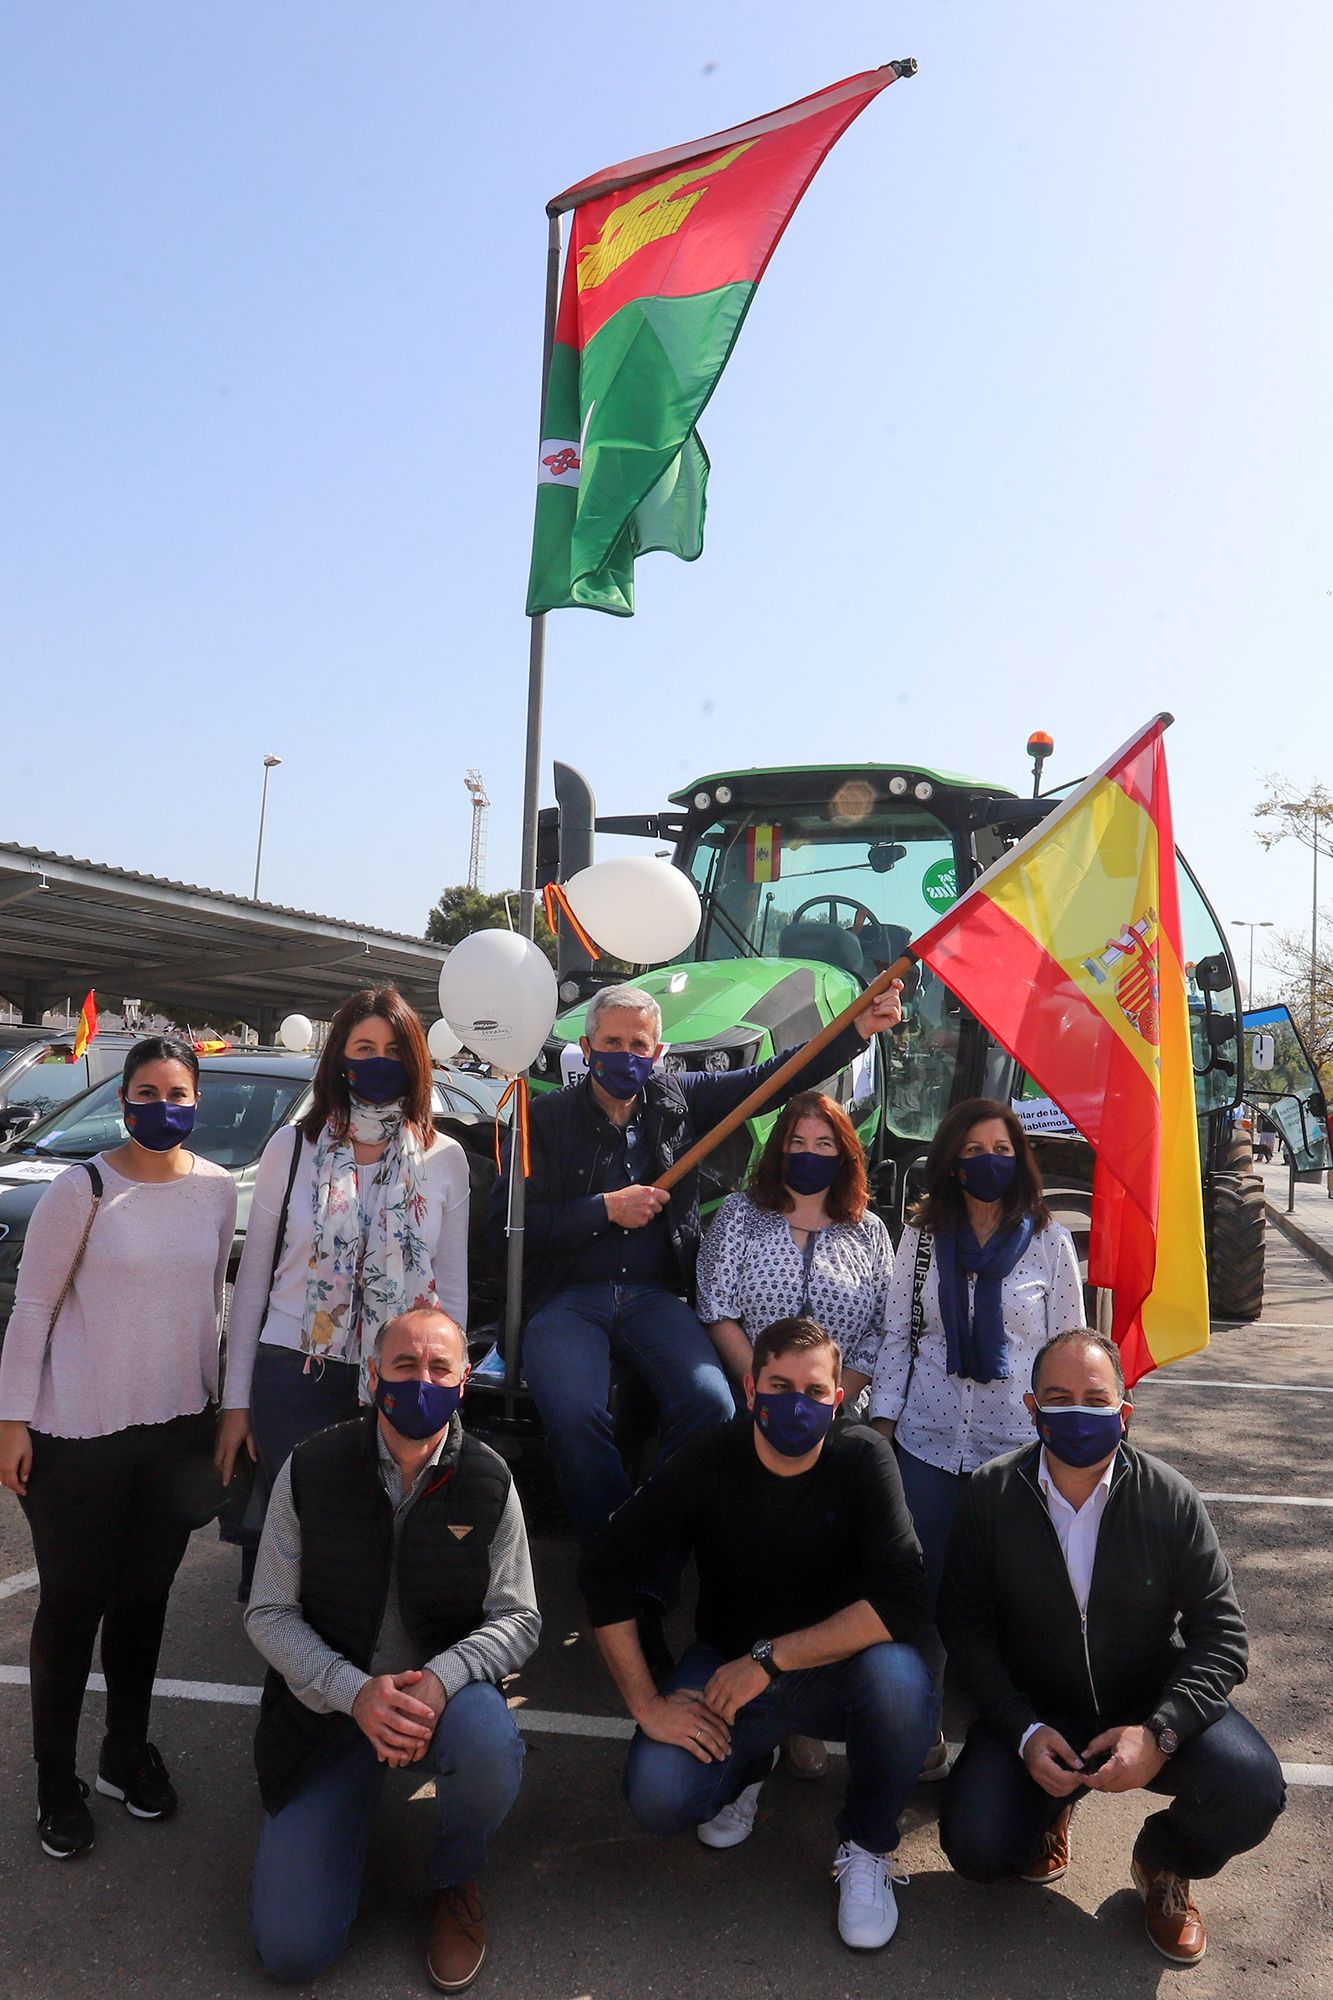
x: 770, y: 1086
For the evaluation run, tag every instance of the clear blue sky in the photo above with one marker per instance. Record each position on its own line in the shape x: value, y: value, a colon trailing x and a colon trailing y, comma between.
x: 1029, y: 426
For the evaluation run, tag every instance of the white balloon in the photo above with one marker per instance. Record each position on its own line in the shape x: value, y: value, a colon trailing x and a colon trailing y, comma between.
x: 636, y: 908
x: 296, y: 1033
x: 442, y: 1042
x: 498, y: 994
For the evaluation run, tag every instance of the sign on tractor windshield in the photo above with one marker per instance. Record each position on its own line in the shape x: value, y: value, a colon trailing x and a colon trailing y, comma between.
x: 939, y: 884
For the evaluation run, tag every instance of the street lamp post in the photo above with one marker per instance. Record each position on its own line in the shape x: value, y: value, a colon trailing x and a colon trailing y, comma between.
x: 269, y: 764
x: 1241, y: 924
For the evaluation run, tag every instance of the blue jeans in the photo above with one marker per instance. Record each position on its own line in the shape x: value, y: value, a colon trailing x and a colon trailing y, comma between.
x: 568, y: 1348
x: 1225, y: 1787
x: 932, y: 1497
x: 312, y: 1854
x: 877, y: 1703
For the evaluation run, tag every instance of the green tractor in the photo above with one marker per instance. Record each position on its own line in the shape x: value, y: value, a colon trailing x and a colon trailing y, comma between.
x: 812, y: 879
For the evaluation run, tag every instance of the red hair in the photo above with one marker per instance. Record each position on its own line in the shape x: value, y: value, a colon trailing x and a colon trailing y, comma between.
x: 849, y: 1195
x: 333, y: 1100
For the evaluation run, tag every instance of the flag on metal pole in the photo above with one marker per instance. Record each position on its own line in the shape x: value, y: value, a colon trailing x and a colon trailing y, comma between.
x: 87, y: 1026
x: 665, y: 256
x: 1069, y: 951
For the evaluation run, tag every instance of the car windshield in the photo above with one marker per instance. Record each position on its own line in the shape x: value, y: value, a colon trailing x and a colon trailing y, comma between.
x: 847, y: 881
x: 238, y: 1111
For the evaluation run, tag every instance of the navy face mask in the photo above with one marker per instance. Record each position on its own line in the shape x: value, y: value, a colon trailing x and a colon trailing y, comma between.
x: 1078, y: 1434
x: 375, y: 1079
x: 156, y: 1125
x: 620, y: 1073
x: 988, y: 1176
x: 793, y: 1424
x: 418, y: 1409
x: 810, y: 1173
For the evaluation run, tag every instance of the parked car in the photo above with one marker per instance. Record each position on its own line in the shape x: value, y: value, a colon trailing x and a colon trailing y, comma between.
x: 245, y: 1095
x: 37, y: 1072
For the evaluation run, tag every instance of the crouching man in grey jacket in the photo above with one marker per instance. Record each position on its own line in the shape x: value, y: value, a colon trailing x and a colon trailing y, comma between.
x: 1091, y: 1614
x: 392, y: 1594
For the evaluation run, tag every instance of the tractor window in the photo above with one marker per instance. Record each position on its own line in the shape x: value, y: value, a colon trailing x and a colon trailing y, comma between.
x: 1287, y: 1095
x: 1213, y: 1005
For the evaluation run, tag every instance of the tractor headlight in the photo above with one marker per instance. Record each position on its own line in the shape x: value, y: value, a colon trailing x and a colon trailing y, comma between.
x: 702, y: 801
x: 898, y: 787
x: 716, y: 1060
x: 924, y: 789
x: 674, y: 1064
x: 723, y: 795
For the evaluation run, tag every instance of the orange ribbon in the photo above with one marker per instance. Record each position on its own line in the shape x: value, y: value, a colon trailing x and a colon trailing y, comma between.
x: 554, y: 899
x: 517, y: 1088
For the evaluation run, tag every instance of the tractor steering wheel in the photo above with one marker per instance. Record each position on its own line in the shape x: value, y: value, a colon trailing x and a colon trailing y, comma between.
x: 830, y: 901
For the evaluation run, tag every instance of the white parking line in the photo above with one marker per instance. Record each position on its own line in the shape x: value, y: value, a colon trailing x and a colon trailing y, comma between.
x: 1266, y: 1500
x: 10, y: 1586
x: 1207, y: 1382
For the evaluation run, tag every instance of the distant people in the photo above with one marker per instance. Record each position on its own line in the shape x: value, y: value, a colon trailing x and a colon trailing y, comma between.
x: 609, y: 1259
x: 359, y: 1214
x: 392, y: 1596
x: 801, y: 1239
x: 810, y: 1596
x: 1092, y: 1616
x: 982, y: 1279
x: 106, y: 1427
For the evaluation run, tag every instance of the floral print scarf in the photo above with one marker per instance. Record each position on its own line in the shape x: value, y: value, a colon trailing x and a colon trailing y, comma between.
x: 369, y: 1261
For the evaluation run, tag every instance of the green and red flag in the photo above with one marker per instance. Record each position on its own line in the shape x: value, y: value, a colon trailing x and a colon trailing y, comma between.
x: 665, y: 255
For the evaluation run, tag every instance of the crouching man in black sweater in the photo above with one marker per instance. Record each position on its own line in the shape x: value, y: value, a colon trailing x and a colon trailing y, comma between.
x: 1088, y: 1608
x: 811, y: 1591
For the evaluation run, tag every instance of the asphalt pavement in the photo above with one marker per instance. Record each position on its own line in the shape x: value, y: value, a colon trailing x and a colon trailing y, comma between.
x: 581, y: 1906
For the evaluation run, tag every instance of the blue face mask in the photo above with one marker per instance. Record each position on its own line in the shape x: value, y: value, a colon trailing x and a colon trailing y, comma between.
x: 1079, y: 1435
x: 417, y: 1409
x: 793, y: 1424
x: 810, y: 1173
x: 620, y: 1073
x: 156, y: 1125
x: 988, y: 1176
x: 375, y: 1079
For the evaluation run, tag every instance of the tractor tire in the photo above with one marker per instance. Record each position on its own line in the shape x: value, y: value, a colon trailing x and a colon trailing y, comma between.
x: 1235, y: 1214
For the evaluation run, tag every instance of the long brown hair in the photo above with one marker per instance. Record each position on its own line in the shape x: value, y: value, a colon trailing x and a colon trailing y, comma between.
x: 941, y: 1208
x: 333, y: 1100
x: 849, y: 1195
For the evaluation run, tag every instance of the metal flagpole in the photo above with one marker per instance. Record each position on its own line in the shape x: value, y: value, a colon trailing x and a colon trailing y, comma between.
x: 527, y: 878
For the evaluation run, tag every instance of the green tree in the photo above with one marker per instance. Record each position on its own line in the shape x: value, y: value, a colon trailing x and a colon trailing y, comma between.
x: 461, y: 910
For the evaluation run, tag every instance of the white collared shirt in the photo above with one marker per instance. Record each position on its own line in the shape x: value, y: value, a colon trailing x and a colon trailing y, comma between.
x: 1077, y: 1527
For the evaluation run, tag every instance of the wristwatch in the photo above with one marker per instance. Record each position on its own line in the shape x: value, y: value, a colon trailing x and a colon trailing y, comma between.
x: 762, y: 1652
x: 1165, y: 1737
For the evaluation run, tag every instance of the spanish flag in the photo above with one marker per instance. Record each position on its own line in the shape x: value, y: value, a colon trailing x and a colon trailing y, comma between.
x: 1069, y: 951
x: 87, y: 1027
x: 763, y: 853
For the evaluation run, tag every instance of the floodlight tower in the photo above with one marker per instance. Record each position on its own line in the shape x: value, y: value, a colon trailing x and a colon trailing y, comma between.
x: 476, y: 860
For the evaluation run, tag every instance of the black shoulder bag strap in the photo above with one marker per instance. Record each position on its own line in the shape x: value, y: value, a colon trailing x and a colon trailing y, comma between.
x: 925, y: 1243
x: 281, y: 1238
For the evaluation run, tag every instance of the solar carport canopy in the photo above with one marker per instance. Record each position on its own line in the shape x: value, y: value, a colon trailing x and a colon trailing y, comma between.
x: 66, y: 925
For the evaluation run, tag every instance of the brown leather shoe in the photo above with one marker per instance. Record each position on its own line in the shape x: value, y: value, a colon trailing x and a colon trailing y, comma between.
x: 457, y: 1942
x: 1170, y: 1918
x: 1052, y: 1860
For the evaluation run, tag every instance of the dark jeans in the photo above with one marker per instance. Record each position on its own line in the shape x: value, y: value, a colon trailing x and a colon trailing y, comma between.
x: 287, y: 1404
x: 108, y: 1535
x: 1225, y: 1787
x: 933, y: 1498
x: 568, y: 1348
x: 312, y: 1854
x: 877, y: 1703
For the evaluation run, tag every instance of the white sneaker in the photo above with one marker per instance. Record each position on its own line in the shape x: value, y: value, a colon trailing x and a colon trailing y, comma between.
x: 867, y: 1910
x: 735, y: 1822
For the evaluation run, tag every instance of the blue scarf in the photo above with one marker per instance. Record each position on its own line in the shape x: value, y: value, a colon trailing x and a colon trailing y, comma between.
x: 978, y: 1348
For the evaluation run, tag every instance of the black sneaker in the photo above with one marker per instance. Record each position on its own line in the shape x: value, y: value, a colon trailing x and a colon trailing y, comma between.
x: 139, y: 1780
x: 64, y: 1823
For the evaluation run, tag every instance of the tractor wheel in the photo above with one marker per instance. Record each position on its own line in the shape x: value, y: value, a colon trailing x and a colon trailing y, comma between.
x: 1235, y: 1246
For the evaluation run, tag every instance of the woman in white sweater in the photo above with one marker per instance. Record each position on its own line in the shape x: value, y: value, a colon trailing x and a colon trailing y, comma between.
x: 359, y: 1214
x: 105, y: 1426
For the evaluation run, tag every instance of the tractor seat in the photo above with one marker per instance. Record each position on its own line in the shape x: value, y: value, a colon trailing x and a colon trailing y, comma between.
x: 828, y: 942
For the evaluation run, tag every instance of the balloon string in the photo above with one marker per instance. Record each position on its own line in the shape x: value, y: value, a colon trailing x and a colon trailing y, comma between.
x: 517, y: 1088
x: 554, y: 899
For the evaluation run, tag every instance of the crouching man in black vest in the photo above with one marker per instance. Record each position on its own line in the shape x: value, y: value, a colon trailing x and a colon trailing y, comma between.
x: 392, y: 1593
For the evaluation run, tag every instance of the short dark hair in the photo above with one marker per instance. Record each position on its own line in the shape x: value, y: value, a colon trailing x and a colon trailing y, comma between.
x: 787, y: 1336
x: 941, y: 1208
x: 159, y: 1048
x: 1087, y: 1338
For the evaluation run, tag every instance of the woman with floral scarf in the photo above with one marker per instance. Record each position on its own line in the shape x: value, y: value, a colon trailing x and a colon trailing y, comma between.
x: 375, y: 1223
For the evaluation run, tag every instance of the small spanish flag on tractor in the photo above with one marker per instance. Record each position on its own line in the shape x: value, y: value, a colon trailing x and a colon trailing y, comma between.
x: 87, y: 1027
x: 763, y: 853
x: 1069, y: 951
